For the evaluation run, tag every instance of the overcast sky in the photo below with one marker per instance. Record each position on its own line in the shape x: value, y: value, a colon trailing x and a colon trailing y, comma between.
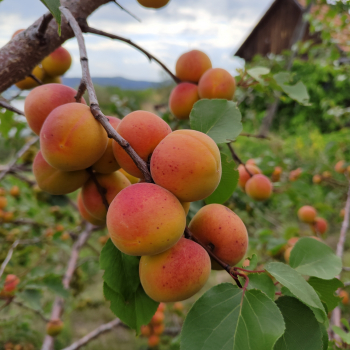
x: 217, y: 27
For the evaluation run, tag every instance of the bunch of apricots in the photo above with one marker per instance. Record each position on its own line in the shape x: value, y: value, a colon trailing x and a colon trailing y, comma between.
x: 198, y: 80
x: 143, y: 219
x: 155, y: 328
x: 308, y: 214
x: 7, y: 216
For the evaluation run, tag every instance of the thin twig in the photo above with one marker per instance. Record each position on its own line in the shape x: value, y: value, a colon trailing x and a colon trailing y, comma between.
x: 127, y: 11
x: 7, y: 106
x: 15, y: 96
x: 237, y: 159
x: 346, y: 268
x: 256, y: 136
x: 35, y: 78
x: 40, y: 34
x: 21, y: 177
x: 101, y: 190
x: 14, y: 301
x: 8, y: 257
x: 94, y: 106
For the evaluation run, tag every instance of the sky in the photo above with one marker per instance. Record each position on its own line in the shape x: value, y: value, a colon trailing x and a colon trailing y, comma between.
x: 216, y: 27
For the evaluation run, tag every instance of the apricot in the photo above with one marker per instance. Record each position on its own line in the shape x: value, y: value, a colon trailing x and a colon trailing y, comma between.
x: 55, y: 181
x: 57, y: 63
x: 8, y: 216
x: 276, y: 174
x: 316, y: 179
x: 307, y: 214
x: 112, y: 183
x: 51, y: 80
x: 182, y: 99
x: 188, y: 164
x: 145, y: 330
x: 191, y: 65
x: 2, y: 191
x: 42, y: 100
x: 158, y: 329
x: 3, y: 202
x: 59, y: 228
x: 155, y: 4
x: 259, y: 187
x: 250, y: 161
x: 15, y: 191
x: 103, y: 239
x: 178, y: 306
x: 157, y: 318
x: 65, y: 236
x: 143, y: 130
x: 176, y: 274
x: 28, y: 82
x: 85, y: 214
x: 220, y: 228
x: 292, y: 241
x: 295, y: 174
x: 287, y: 254
x: 11, y: 282
x: 153, y: 340
x: 71, y: 138
x: 145, y: 219
x: 320, y: 225
x: 54, y: 327
x: 344, y: 295
x: 107, y: 163
x: 340, y: 167
x: 217, y: 83
x: 326, y: 174
x: 132, y: 179
x: 186, y: 206
x: 17, y: 32
x: 244, y: 176
x: 161, y: 307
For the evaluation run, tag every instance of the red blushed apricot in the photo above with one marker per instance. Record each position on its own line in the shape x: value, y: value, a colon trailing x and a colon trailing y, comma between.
x: 295, y: 174
x: 182, y: 99
x: 28, y: 82
x: 244, y: 176
x: 188, y: 164
x: 259, y: 187
x: 145, y: 219
x: 176, y: 274
x: 42, y: 100
x: 320, y: 225
x: 153, y: 340
x: 57, y: 63
x: 11, y: 282
x: 112, y: 183
x: 55, y: 181
x: 107, y: 163
x: 143, y: 130
x: 155, y: 4
x: 191, y: 65
x: 292, y: 241
x: 217, y: 83
x: 220, y: 228
x: 132, y: 179
x: 71, y: 138
x: 307, y: 214
x: 85, y: 214
x: 340, y: 167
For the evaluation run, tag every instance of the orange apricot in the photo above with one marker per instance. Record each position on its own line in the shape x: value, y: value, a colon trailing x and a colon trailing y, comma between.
x: 157, y: 318
x: 340, y: 167
x: 158, y: 329
x: 15, y: 191
x: 307, y: 214
x: 153, y: 340
x: 220, y: 228
x: 145, y: 219
x: 161, y: 307
x: 191, y: 65
x: 316, y: 179
x: 295, y: 174
x: 320, y: 225
x: 28, y: 82
x: 8, y: 216
x: 259, y: 187
x: 42, y: 100
x: 217, y: 83
x: 55, y: 181
x: 143, y: 130
x: 59, y: 228
x: 326, y: 174
x: 188, y: 164
x: 186, y: 206
x: 71, y: 138
x: 112, y: 183
x: 155, y: 4
x: 57, y: 63
x: 182, y: 99
x: 178, y: 306
x: 11, y: 282
x: 3, y: 202
x: 244, y: 176
x: 276, y: 174
x: 292, y: 241
x: 176, y: 274
x: 85, y: 214
x: 51, y: 80
x: 344, y: 295
x: 287, y: 254
x: 250, y: 161
x: 145, y: 330
x: 54, y: 327
x: 107, y: 163
x: 132, y: 179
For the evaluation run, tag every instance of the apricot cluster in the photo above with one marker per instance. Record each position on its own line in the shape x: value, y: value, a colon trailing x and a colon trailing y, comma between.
x: 308, y: 214
x: 7, y: 216
x: 198, y: 80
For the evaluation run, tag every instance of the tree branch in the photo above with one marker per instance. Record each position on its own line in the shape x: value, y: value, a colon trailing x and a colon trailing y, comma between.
x: 8, y: 257
x: 256, y: 136
x: 237, y: 159
x: 101, y: 190
x: 7, y: 106
x: 127, y: 11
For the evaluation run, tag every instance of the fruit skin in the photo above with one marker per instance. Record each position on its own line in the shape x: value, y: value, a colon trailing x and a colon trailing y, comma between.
x: 17, y: 32
x: 320, y: 225
x: 219, y: 227
x: 276, y: 175
x: 54, y: 327
x: 42, y: 100
x: 3, y: 202
x: 344, y: 295
x: 191, y: 65
x: 295, y: 174
x: 307, y: 214
x: 217, y: 83
x: 326, y: 174
x: 244, y: 175
x: 176, y: 274
x: 55, y: 181
x: 158, y: 329
x: 51, y: 80
x: 292, y: 241
x: 11, y: 282
x: 71, y: 138
x: 161, y: 307
x: 157, y: 318
x: 182, y: 99
x: 28, y: 82
x: 316, y: 179
x: 178, y: 306
x: 85, y: 214
x: 143, y: 130
x: 15, y: 191
x: 145, y: 330
x: 287, y: 254
x: 112, y: 183
x: 57, y: 63
x: 155, y: 4
x: 8, y: 216
x: 188, y: 164
x: 340, y: 167
x: 186, y: 206
x: 107, y: 163
x: 145, y: 219
x: 132, y: 179
x: 259, y: 187
x: 153, y: 340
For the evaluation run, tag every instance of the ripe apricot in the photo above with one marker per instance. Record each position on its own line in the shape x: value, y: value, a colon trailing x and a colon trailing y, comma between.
x: 55, y: 181
x: 143, y: 130
x: 182, y: 99
x: 57, y: 63
x: 65, y: 236
x: 42, y: 100
x: 103, y: 239
x: 178, y: 306
x: 220, y: 228
x: 244, y: 176
x: 11, y: 282
x: 259, y: 187
x: 85, y: 214
x: 8, y: 216
x: 153, y: 340
x: 340, y: 167
x: 59, y: 228
x: 3, y: 202
x: 158, y: 329
x: 287, y: 254
x: 316, y: 179
x: 326, y: 174
x: 112, y: 183
x: 145, y: 219
x: 186, y: 206
x: 15, y: 191
x: 71, y: 138
x: 188, y: 164
x: 157, y: 318
x: 344, y: 295
x: 276, y: 174
x: 54, y: 327
x: 217, y: 83
x: 51, y: 80
x: 28, y: 82
x: 176, y: 274
x: 161, y: 307
x: 155, y: 4
x: 107, y: 163
x: 292, y: 241
x: 307, y: 214
x: 295, y: 174
x: 320, y: 225
x: 145, y: 330
x: 250, y: 161
x: 132, y: 179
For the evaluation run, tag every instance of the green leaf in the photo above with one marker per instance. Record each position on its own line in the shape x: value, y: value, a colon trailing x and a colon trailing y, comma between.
x: 31, y: 298
x: 324, y: 336
x: 6, y: 122
x: 326, y: 289
x: 121, y: 270
x: 302, y: 329
x: 228, y: 182
x: 298, y: 287
x: 54, y: 8
x: 314, y: 258
x: 54, y: 283
x: 221, y: 320
x: 219, y: 119
x: 263, y: 282
x: 135, y: 312
x: 343, y: 335
x: 257, y: 72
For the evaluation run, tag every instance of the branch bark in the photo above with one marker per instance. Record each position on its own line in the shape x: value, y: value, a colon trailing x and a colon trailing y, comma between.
x: 237, y: 159
x: 7, y: 106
